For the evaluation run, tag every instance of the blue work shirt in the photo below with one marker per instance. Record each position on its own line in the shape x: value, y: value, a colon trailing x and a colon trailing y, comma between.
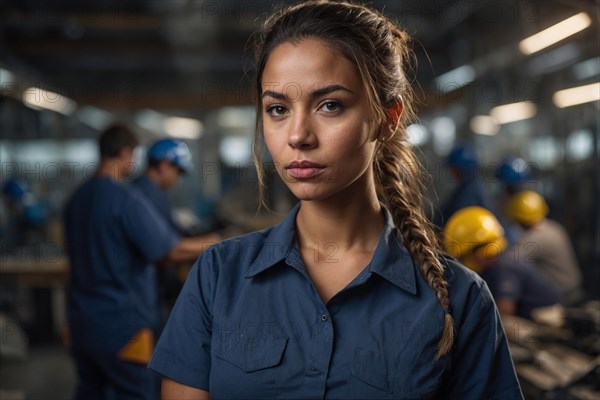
x: 157, y: 197
x: 512, y: 278
x: 113, y: 235
x: 249, y: 323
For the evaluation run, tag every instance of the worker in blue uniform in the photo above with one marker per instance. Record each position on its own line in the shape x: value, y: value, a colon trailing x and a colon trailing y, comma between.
x: 167, y: 160
x: 463, y: 165
x: 514, y: 175
x: 113, y: 235
x: 475, y: 237
x: 351, y: 295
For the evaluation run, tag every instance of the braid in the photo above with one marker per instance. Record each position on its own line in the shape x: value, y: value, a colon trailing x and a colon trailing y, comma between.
x: 400, y: 189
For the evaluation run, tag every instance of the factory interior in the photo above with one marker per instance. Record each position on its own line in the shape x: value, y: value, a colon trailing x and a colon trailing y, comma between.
x: 183, y: 70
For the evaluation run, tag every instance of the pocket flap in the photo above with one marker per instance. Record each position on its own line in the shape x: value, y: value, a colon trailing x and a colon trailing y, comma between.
x: 370, y: 367
x: 252, y: 357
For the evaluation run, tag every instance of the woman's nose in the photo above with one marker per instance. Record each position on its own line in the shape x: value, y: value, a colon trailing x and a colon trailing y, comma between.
x: 301, y: 134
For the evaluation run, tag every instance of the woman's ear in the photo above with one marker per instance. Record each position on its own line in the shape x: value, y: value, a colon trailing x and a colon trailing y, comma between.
x: 394, y: 113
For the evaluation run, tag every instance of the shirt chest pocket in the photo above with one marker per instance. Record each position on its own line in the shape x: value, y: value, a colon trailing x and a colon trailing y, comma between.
x: 246, y: 368
x: 375, y: 375
x: 369, y: 375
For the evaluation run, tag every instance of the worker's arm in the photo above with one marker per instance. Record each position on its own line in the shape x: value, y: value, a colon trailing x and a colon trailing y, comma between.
x: 188, y: 249
x: 172, y: 390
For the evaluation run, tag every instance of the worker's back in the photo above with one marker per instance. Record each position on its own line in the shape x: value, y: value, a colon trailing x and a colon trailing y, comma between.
x: 112, y: 236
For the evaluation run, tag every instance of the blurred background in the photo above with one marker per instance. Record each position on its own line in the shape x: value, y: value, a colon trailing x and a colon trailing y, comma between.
x: 183, y: 69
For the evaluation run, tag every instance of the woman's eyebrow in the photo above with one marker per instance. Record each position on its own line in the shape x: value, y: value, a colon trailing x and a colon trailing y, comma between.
x: 328, y: 89
x: 273, y: 94
x: 313, y: 94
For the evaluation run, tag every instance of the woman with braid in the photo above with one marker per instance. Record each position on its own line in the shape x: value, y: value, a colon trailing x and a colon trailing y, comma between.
x: 351, y: 295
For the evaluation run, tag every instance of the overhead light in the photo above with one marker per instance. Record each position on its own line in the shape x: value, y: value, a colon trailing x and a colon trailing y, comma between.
x: 184, y: 128
x: 513, y: 112
x: 150, y: 120
x: 95, y: 117
x: 236, y: 151
x: 444, y: 135
x: 545, y: 152
x: 417, y: 134
x: 577, y: 95
x: 455, y: 78
x: 555, y: 33
x: 484, y: 125
x: 38, y: 99
x: 580, y: 145
x: 177, y: 127
x: 238, y: 117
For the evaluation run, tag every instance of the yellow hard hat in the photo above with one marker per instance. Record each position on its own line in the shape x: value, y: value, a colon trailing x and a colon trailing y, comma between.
x: 473, y: 230
x: 527, y: 207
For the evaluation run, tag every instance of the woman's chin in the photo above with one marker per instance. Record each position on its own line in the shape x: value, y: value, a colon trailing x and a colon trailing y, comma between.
x: 311, y: 195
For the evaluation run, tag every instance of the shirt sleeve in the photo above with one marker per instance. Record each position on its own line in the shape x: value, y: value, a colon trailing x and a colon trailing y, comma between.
x: 481, y: 364
x: 147, y: 230
x: 183, y: 352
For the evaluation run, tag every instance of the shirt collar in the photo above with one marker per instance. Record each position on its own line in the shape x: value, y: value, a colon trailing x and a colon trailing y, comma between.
x: 391, y: 259
x: 277, y: 246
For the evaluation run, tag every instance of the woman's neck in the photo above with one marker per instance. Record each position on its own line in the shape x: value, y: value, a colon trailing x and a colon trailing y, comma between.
x: 351, y: 224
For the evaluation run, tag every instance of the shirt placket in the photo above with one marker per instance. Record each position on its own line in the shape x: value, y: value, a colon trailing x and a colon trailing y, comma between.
x: 320, y: 346
x: 322, y: 333
x: 321, y: 349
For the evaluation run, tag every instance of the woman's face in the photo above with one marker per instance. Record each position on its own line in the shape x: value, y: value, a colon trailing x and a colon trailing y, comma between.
x: 316, y: 121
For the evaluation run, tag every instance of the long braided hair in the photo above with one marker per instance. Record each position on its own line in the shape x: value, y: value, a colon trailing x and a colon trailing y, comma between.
x: 379, y: 50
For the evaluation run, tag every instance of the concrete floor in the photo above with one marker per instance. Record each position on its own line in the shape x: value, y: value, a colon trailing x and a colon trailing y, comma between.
x: 46, y: 372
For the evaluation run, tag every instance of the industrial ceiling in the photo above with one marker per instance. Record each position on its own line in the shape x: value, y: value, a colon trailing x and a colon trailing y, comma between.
x: 189, y: 56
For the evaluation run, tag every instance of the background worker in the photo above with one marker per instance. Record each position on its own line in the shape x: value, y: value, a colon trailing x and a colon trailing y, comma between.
x: 514, y: 174
x: 113, y: 236
x: 167, y: 160
x: 474, y: 236
x: 463, y: 165
x: 546, y: 245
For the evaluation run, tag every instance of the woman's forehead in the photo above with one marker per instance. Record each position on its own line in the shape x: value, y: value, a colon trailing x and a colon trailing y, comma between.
x: 308, y: 64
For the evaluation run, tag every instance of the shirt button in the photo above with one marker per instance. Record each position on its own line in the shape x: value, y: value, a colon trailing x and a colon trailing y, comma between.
x: 324, y: 317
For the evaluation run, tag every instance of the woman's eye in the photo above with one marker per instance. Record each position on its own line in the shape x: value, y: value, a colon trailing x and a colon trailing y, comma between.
x: 331, y: 106
x: 276, y: 111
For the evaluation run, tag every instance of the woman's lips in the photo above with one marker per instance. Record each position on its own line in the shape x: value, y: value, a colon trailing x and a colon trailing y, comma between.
x: 304, y: 169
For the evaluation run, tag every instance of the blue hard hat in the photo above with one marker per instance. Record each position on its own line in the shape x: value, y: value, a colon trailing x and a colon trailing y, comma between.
x: 463, y: 158
x: 174, y: 151
x: 15, y: 188
x: 514, y: 171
